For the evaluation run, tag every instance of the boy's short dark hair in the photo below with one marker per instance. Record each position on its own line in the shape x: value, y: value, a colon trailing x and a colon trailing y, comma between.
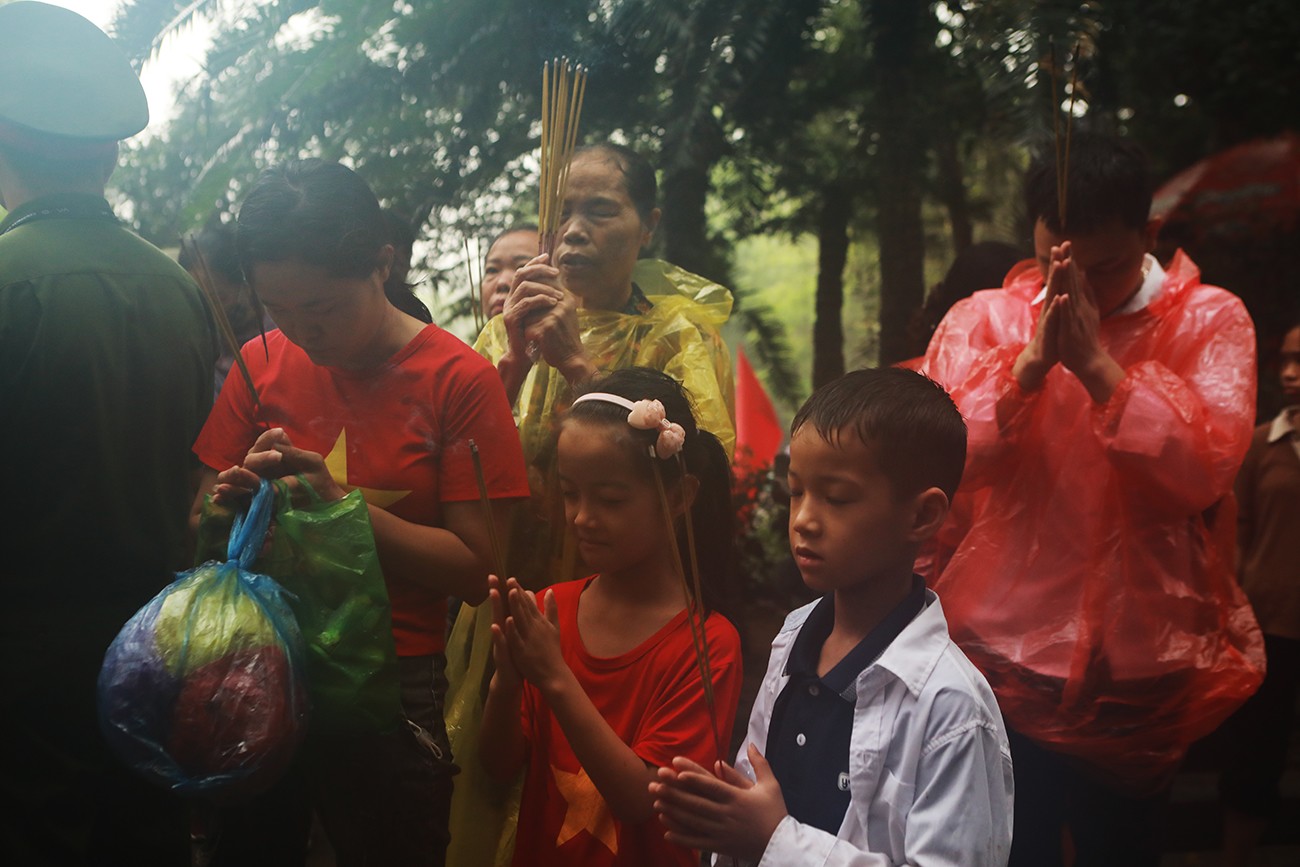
x: 1108, y: 179
x: 913, y: 422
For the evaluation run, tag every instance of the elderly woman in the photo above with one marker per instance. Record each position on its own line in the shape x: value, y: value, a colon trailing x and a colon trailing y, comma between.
x: 595, y: 307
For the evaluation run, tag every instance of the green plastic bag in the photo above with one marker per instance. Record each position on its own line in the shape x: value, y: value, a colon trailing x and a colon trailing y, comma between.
x: 324, y: 555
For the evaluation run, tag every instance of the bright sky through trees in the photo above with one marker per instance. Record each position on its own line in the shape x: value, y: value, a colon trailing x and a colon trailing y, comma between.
x: 180, y: 59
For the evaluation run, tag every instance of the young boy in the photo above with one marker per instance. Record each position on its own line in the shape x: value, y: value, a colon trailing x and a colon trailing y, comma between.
x: 873, y: 740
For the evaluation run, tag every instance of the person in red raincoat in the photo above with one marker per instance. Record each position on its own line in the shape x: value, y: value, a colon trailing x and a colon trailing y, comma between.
x: 1109, y: 404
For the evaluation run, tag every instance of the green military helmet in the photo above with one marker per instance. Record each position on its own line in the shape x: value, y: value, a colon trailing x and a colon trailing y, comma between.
x: 62, y: 78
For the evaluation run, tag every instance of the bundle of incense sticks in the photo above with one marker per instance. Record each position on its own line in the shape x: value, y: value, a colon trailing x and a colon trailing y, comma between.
x: 695, y: 613
x: 563, y: 87
x: 1063, y: 148
x: 206, y: 285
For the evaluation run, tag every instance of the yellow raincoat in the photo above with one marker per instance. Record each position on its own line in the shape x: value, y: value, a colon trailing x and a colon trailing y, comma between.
x: 677, y: 332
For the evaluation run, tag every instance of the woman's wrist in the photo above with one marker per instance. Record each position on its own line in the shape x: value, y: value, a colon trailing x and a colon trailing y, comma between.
x: 512, y: 369
x: 577, y: 368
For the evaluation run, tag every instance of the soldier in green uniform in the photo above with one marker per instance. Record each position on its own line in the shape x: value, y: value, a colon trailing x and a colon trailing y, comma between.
x: 105, y: 379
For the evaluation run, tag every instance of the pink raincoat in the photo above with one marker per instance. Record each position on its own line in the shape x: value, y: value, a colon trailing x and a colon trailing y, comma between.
x: 1087, y: 586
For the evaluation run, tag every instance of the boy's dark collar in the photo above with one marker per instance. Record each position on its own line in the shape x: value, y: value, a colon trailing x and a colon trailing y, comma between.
x: 805, y: 653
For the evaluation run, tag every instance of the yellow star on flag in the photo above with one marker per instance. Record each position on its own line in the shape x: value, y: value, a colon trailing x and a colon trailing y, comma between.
x: 587, y: 810
x: 337, y: 463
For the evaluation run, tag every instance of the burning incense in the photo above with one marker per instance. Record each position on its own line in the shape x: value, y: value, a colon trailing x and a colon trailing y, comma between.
x: 694, y: 608
x: 204, y: 279
x: 1063, y: 144
x: 498, y: 554
x: 1056, y: 135
x: 564, y: 87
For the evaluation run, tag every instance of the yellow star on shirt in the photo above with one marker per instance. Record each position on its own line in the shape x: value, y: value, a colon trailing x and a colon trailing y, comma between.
x: 337, y: 463
x: 587, y: 810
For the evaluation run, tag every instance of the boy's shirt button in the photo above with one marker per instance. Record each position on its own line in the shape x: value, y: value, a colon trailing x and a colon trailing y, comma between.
x: 813, y: 690
x: 800, y: 739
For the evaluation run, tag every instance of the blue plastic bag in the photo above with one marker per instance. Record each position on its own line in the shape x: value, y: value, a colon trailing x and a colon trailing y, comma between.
x: 201, y: 691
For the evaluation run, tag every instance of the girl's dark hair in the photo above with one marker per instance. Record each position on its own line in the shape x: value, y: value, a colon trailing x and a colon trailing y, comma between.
x: 712, y: 516
x: 313, y: 211
x: 638, y: 174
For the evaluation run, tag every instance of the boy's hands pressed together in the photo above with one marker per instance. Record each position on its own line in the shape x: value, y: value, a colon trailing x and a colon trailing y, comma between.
x: 728, y: 813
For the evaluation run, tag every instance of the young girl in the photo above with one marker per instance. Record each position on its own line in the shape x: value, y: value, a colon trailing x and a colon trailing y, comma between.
x: 354, y: 393
x: 604, y: 668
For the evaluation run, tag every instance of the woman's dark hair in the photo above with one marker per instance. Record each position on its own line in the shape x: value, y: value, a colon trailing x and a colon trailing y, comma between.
x: 638, y: 174
x: 1108, y: 178
x: 217, y: 243
x: 400, y: 293
x: 712, y: 516
x: 313, y: 211
x: 515, y: 227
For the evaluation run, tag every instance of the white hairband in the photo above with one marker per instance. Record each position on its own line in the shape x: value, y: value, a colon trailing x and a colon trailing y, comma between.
x: 646, y: 415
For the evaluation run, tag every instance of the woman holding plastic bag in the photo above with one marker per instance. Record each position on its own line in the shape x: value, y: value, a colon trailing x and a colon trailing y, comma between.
x: 352, y: 395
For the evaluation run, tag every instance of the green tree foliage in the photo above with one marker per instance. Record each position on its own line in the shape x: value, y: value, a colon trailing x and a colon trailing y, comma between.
x: 900, y: 126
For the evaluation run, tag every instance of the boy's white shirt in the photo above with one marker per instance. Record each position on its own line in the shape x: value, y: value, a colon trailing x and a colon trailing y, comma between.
x: 929, y: 766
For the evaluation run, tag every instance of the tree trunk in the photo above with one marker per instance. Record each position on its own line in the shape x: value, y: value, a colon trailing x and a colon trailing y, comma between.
x: 832, y: 254
x: 685, y: 226
x: 952, y: 189
x: 896, y: 27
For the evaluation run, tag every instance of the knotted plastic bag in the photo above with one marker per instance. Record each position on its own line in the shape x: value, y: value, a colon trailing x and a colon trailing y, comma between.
x: 201, y: 691
x: 324, y: 554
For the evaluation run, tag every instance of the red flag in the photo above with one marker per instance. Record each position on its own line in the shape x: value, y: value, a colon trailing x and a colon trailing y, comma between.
x: 758, y: 431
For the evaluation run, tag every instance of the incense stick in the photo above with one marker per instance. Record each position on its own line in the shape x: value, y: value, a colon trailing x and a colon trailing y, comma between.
x: 1069, y: 123
x: 1056, y: 136
x: 564, y: 86
x: 699, y: 641
x: 204, y: 279
x: 498, y: 555
x: 475, y: 291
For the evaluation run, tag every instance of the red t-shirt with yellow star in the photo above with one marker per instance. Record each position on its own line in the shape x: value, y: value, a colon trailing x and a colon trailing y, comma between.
x: 399, y: 432
x: 653, y: 699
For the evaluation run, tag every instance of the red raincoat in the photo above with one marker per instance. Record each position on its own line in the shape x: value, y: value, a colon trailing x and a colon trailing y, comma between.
x: 1087, y: 586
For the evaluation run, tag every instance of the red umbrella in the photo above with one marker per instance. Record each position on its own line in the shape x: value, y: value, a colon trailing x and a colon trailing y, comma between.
x: 1249, y: 190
